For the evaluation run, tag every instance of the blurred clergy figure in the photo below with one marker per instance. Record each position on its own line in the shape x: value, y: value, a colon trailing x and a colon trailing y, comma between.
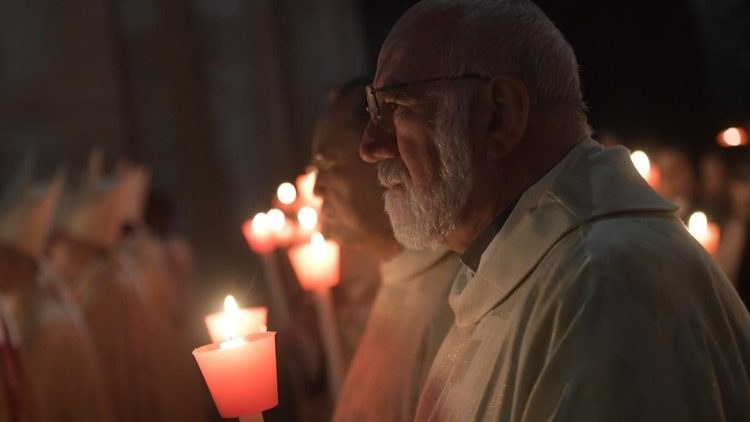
x: 410, y: 315
x: 157, y: 279
x: 111, y: 296
x: 60, y: 365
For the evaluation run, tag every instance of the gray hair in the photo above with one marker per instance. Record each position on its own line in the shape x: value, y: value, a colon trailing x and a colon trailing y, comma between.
x: 513, y: 37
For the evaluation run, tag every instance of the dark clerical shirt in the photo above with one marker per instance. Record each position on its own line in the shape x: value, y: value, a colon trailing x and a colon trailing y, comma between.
x: 473, y: 254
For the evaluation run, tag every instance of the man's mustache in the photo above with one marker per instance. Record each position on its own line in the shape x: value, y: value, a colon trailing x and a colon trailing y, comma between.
x: 392, y: 172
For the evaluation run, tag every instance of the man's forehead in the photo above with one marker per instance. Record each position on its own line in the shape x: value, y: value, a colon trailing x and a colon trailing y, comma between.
x: 415, y: 47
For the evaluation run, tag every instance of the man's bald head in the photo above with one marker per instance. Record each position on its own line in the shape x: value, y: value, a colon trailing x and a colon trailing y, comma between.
x: 486, y: 37
x: 472, y: 102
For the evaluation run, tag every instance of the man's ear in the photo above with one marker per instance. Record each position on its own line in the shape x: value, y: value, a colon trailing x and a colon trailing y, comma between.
x: 508, y: 101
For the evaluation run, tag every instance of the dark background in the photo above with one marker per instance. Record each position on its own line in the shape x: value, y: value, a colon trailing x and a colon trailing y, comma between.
x: 220, y: 96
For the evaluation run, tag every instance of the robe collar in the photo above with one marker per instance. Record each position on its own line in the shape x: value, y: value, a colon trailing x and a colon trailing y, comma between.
x: 589, y: 183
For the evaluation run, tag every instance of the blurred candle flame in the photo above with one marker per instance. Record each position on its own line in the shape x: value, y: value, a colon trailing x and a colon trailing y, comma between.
x: 260, y: 223
x: 698, y: 226
x: 732, y: 137
x: 641, y: 162
x: 317, y: 239
x: 307, y: 218
x: 231, y: 317
x: 276, y: 220
x: 286, y: 193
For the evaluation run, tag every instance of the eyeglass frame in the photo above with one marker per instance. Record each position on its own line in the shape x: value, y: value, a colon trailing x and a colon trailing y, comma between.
x: 373, y: 106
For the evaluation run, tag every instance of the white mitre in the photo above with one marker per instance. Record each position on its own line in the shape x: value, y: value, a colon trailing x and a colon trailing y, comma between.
x: 26, y: 211
x: 136, y: 180
x: 94, y: 212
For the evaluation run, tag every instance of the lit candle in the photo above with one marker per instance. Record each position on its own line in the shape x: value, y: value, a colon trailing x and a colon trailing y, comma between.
x: 240, y: 372
x: 316, y: 263
x: 280, y: 227
x: 706, y: 233
x: 286, y: 197
x: 258, y: 234
x: 286, y: 193
x: 732, y: 137
x: 643, y: 166
x: 244, y: 321
x: 306, y: 189
x: 307, y: 220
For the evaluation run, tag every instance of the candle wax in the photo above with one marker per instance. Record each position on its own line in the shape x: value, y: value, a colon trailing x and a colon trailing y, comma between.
x: 241, y: 374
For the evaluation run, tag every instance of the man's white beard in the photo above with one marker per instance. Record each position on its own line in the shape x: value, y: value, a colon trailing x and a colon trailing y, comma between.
x: 422, y: 218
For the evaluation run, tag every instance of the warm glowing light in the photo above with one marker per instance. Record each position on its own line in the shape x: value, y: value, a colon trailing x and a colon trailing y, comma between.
x: 235, y: 342
x: 308, y: 218
x: 286, y: 193
x: 698, y: 226
x: 316, y: 264
x: 307, y: 183
x: 732, y: 137
x: 231, y: 317
x: 317, y: 239
x: 641, y: 163
x: 260, y: 223
x: 706, y: 233
x: 276, y: 219
x: 306, y: 189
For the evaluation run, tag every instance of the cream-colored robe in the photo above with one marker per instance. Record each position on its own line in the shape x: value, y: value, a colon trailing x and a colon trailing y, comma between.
x: 593, y: 303
x: 407, y: 323
x: 63, y: 369
x: 180, y: 381
x: 121, y: 322
x: 15, y: 388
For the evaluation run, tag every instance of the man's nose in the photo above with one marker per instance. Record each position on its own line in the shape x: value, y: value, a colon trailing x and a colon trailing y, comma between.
x: 377, y: 145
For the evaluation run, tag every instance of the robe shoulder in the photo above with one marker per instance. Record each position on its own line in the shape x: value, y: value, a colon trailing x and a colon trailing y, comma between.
x: 635, y: 322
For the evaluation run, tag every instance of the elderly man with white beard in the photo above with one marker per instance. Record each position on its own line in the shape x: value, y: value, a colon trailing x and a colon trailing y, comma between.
x: 410, y: 314
x: 582, y: 297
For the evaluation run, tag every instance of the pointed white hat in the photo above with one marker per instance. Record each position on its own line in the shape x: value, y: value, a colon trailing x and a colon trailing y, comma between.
x: 94, y: 212
x: 26, y: 210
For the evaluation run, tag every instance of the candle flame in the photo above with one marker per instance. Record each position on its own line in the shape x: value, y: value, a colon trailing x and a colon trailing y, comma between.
x: 260, y: 223
x: 307, y: 217
x: 286, y: 193
x: 732, y: 137
x: 306, y: 188
x: 317, y: 239
x: 230, y: 319
x: 307, y: 183
x: 641, y: 162
x: 276, y: 219
x: 698, y: 226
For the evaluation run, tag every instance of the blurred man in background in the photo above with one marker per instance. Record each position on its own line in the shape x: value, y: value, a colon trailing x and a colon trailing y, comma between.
x: 678, y: 180
x: 410, y: 315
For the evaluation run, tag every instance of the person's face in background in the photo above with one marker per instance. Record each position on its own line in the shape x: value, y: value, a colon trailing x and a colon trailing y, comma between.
x: 714, y: 177
x: 677, y: 176
x: 353, y: 210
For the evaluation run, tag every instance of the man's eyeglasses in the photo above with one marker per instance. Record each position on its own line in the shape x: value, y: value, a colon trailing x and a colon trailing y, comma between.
x: 381, y: 114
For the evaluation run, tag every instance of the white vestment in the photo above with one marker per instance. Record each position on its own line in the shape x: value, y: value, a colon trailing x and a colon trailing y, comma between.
x: 593, y: 303
x: 408, y: 321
